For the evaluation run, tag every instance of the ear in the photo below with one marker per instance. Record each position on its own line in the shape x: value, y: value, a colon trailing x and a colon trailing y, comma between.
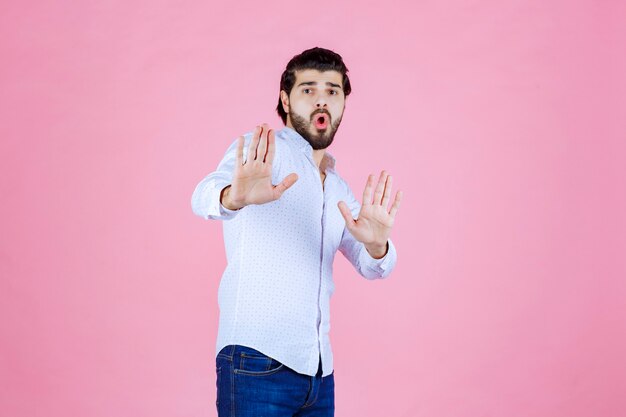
x: 284, y: 98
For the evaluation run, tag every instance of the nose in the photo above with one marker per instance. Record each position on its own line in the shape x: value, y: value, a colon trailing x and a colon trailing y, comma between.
x: 321, y: 103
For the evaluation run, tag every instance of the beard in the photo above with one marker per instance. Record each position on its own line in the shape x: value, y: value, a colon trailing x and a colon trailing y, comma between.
x: 321, y: 139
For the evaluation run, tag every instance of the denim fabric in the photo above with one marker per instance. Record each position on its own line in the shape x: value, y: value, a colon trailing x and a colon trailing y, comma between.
x: 251, y: 384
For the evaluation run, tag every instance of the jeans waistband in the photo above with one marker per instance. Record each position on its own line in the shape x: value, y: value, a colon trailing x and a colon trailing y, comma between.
x: 232, y: 350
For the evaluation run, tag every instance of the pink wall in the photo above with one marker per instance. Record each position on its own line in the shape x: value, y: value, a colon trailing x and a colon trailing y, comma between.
x: 503, y: 122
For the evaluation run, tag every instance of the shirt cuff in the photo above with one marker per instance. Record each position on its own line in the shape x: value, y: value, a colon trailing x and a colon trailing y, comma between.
x: 216, y: 209
x: 382, y: 266
x: 226, y: 211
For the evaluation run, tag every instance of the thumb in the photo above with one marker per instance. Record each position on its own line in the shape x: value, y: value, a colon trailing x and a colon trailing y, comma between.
x: 285, y: 184
x: 346, y: 213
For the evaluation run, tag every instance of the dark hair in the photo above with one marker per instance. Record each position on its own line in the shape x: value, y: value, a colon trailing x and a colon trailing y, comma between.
x: 315, y: 58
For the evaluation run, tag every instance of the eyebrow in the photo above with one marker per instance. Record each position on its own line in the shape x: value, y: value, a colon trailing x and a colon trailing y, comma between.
x: 315, y: 83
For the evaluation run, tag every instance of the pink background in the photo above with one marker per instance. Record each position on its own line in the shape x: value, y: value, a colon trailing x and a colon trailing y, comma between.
x: 503, y: 123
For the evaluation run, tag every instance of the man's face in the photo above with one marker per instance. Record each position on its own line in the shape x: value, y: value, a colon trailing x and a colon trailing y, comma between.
x: 315, y: 106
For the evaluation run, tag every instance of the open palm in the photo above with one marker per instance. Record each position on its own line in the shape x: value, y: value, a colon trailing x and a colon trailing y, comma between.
x: 252, y: 178
x: 374, y: 223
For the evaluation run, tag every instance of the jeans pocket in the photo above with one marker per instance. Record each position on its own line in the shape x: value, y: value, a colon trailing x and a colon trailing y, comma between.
x: 252, y: 362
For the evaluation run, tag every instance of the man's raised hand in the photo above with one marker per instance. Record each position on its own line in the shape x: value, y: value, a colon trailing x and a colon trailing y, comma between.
x: 252, y: 178
x: 373, y: 226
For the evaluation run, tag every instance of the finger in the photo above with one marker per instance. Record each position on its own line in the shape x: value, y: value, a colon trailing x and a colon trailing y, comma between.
x: 347, y: 214
x: 387, y: 192
x: 253, y: 144
x: 271, y: 147
x: 378, y: 194
x: 285, y: 184
x: 367, y: 192
x: 396, y: 204
x: 240, y: 142
x: 262, y: 148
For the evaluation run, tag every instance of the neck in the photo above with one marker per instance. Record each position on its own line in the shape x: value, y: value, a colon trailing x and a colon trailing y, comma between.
x: 318, y: 155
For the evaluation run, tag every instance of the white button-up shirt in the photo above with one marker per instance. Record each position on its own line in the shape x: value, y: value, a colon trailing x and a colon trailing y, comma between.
x: 274, y: 295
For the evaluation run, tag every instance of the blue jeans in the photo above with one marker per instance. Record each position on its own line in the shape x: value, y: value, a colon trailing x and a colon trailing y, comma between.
x: 251, y: 384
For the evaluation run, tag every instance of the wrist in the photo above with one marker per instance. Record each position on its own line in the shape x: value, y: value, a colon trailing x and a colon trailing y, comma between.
x: 226, y: 201
x: 376, y: 250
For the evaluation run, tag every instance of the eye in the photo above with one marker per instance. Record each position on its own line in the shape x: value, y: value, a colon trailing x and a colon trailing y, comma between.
x: 333, y: 92
x: 305, y: 90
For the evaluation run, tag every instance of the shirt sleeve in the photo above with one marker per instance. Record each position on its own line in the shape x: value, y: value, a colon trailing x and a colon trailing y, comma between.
x: 205, y: 200
x: 357, y: 254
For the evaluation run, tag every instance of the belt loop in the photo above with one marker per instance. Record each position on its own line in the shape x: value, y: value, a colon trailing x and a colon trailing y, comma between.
x: 232, y: 351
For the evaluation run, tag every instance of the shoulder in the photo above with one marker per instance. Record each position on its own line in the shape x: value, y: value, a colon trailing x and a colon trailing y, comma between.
x: 283, y: 140
x: 342, y: 185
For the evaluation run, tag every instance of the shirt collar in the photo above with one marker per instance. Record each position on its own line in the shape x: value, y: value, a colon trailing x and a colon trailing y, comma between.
x: 328, y: 161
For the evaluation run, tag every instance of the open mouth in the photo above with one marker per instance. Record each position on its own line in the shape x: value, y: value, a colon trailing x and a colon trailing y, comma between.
x: 321, y: 121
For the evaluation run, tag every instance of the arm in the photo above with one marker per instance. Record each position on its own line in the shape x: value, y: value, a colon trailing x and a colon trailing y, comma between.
x: 206, y: 200
x: 367, y: 262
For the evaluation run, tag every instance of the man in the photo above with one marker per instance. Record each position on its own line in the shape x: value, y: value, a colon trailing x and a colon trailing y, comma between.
x: 273, y: 350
